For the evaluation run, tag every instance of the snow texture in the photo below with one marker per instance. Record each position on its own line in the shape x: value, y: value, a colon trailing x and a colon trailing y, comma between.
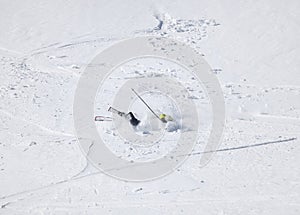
x: 253, y: 49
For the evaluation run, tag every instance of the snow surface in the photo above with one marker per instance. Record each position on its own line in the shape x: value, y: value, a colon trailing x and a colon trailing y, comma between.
x: 253, y: 49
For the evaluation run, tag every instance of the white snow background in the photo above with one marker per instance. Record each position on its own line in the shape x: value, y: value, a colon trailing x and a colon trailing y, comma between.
x: 254, y: 50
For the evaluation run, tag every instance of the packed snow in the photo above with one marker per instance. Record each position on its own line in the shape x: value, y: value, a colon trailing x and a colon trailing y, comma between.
x: 253, y: 49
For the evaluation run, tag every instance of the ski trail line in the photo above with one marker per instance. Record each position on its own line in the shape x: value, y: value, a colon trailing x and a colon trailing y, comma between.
x: 243, y: 147
x: 37, y: 125
x: 76, y: 177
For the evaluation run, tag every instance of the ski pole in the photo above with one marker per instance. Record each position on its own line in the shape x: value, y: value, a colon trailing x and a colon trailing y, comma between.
x: 146, y: 104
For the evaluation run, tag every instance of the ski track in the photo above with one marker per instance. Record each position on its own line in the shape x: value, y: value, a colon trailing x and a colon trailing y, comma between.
x: 245, y: 146
x: 36, y: 125
x: 78, y: 176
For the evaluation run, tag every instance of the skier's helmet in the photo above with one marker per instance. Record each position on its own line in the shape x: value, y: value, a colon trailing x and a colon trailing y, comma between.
x: 162, y: 116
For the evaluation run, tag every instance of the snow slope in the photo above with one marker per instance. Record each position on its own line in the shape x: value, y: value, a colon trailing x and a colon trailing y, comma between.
x: 252, y: 48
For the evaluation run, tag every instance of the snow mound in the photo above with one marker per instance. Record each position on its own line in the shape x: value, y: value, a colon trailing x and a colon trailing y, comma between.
x: 172, y: 126
x: 144, y: 127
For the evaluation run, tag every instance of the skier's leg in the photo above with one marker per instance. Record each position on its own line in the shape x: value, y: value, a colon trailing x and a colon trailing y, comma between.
x: 132, y: 119
x: 113, y: 110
